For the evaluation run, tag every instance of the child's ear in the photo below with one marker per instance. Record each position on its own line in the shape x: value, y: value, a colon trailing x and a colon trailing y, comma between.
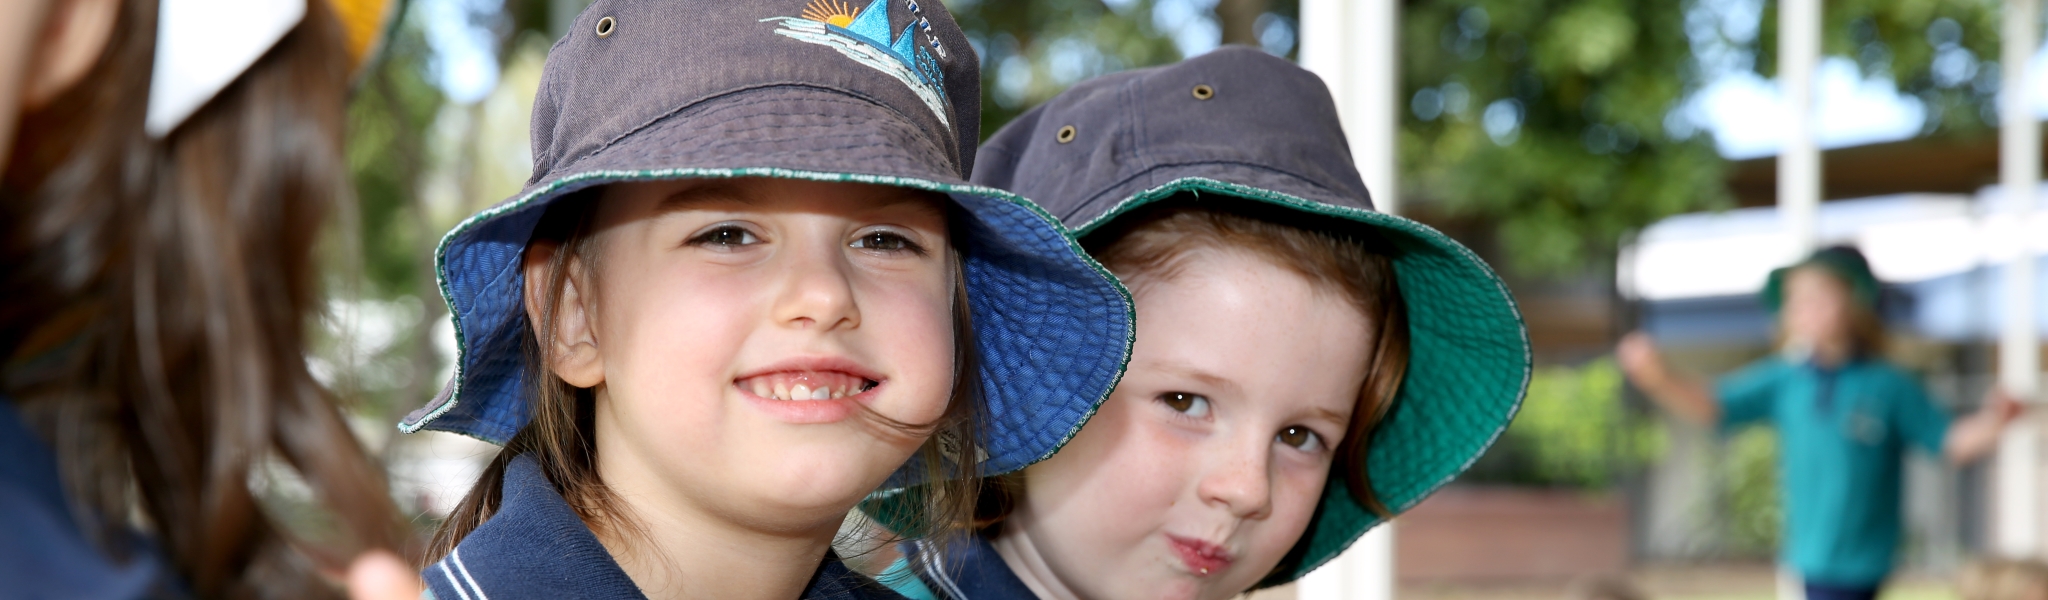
x: 573, y: 355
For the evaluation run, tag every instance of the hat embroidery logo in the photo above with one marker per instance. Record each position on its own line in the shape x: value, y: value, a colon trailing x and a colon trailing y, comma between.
x: 864, y: 37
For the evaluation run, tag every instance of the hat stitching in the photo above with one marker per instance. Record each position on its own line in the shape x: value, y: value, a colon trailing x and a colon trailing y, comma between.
x: 1153, y: 169
x: 587, y: 179
x: 1428, y: 234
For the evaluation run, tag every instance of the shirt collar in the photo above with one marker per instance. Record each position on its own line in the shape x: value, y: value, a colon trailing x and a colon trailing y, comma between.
x: 971, y: 571
x: 536, y: 546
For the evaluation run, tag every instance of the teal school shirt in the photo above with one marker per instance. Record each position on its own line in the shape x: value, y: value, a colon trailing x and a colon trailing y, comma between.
x: 1840, y: 457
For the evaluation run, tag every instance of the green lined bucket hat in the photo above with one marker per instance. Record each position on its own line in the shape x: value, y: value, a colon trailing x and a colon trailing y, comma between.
x: 1844, y: 262
x: 877, y: 91
x: 1241, y: 128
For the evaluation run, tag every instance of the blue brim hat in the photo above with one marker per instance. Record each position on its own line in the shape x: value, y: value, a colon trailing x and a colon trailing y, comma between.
x: 1240, y: 129
x: 882, y: 93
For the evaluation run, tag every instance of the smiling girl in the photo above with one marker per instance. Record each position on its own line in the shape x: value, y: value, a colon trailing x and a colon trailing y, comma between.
x: 745, y: 287
x: 1304, y: 367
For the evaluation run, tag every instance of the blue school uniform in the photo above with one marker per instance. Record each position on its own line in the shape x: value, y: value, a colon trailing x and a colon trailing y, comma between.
x: 536, y: 547
x: 1842, y: 437
x: 45, y: 554
x: 973, y: 570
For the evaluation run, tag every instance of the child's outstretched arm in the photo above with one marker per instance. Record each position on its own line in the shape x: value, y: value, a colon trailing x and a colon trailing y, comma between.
x: 1687, y: 396
x: 1975, y: 435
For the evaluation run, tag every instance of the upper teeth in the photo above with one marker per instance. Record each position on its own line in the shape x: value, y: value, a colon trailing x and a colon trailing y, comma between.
x: 807, y: 387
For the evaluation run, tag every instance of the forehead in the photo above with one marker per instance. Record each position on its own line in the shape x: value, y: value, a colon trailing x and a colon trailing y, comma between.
x: 1813, y: 279
x: 638, y: 199
x: 1263, y: 329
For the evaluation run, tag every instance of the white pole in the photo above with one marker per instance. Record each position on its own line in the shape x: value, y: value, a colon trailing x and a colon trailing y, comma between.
x: 2018, y: 471
x: 1799, y: 159
x: 1354, y: 46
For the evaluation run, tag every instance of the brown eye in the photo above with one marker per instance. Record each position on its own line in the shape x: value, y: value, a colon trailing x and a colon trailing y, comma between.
x: 1300, y: 438
x: 886, y: 241
x: 1193, y: 405
x: 725, y: 236
x: 880, y: 241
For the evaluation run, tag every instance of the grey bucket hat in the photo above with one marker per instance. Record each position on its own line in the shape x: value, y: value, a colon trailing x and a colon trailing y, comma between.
x: 1241, y: 129
x: 882, y: 92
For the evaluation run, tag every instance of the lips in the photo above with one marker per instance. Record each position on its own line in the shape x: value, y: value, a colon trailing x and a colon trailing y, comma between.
x: 1201, y: 557
x: 809, y: 390
x: 806, y: 385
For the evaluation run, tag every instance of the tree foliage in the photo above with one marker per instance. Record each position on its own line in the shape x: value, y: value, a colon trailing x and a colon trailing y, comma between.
x: 1551, y: 118
x: 1562, y: 120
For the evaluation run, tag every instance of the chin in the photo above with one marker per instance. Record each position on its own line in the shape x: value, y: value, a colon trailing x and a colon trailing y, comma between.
x: 823, y: 481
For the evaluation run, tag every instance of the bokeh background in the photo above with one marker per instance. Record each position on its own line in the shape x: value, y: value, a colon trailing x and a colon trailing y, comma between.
x: 1612, y: 158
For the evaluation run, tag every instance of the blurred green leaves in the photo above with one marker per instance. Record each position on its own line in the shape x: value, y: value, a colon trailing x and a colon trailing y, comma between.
x: 1549, y: 117
x: 1562, y: 121
x: 1573, y: 432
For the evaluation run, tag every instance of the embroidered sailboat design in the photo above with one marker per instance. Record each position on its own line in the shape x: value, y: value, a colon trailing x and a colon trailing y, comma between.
x: 864, y: 37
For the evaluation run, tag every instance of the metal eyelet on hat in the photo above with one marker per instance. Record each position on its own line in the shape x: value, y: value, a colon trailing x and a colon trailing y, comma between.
x: 606, y: 26
x: 1204, y: 92
x: 1065, y: 135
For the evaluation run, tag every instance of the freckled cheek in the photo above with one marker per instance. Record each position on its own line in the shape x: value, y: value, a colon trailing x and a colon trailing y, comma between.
x: 911, y: 323
x: 1296, y: 490
x: 1134, y: 471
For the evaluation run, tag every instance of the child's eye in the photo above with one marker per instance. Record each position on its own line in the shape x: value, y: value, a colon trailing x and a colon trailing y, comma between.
x: 1300, y: 438
x: 725, y: 236
x: 886, y: 241
x: 1190, y: 404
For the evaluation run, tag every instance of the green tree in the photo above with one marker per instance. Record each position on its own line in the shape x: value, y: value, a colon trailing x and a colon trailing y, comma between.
x: 1559, y: 119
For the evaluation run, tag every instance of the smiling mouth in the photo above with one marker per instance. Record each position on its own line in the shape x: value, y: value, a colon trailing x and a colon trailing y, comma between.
x: 797, y: 386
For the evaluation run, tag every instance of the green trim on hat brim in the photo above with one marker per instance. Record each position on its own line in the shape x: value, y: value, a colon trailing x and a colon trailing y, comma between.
x: 1339, y: 520
x: 605, y: 177
x: 1862, y: 283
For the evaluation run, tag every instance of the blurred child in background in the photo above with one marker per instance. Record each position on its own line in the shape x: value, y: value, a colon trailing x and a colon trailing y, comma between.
x: 1844, y: 415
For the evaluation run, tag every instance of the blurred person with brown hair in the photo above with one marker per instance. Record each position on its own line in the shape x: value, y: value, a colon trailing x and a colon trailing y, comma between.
x: 1844, y: 416
x: 2003, y: 579
x: 167, y: 165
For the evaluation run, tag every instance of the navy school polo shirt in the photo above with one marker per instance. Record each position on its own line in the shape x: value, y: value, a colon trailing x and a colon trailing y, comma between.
x: 43, y: 551
x: 1842, y: 436
x: 973, y: 571
x: 536, y: 547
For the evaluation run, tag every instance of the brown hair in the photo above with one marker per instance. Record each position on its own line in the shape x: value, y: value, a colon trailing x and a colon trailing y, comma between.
x: 1152, y: 244
x: 157, y: 303
x: 561, y: 434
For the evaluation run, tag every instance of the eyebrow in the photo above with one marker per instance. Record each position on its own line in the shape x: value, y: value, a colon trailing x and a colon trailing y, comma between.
x: 1207, y: 378
x: 685, y: 198
x: 1332, y: 417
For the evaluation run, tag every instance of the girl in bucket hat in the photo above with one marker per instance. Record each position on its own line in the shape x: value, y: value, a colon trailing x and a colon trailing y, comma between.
x: 1305, y: 367
x: 746, y: 285
x: 1844, y: 416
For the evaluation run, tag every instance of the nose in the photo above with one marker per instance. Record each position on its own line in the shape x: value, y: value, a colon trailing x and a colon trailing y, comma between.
x: 1239, y: 478
x: 816, y: 289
